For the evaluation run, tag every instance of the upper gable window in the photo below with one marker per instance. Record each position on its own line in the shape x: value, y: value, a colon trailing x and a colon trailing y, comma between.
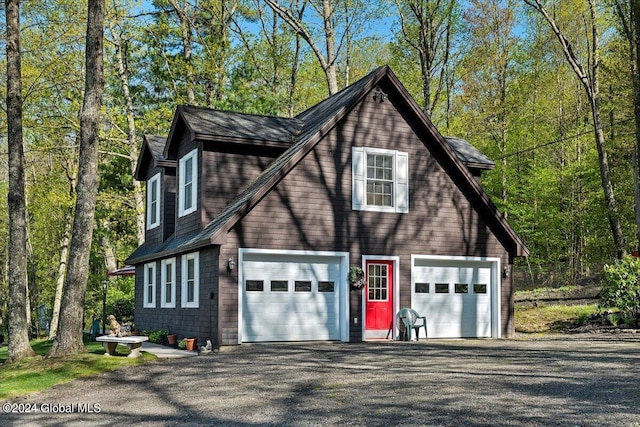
x: 380, y: 180
x: 188, y: 183
x: 153, y: 202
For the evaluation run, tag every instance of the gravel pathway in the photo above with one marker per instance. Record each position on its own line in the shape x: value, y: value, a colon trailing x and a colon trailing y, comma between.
x: 586, y: 380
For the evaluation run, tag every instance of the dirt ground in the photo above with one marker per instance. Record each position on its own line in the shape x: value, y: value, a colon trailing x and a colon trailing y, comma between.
x: 581, y: 380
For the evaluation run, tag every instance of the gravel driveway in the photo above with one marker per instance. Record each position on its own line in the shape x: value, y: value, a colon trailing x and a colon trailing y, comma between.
x: 569, y: 381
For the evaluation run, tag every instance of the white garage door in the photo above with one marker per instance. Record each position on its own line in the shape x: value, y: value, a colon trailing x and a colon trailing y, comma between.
x: 290, y: 297
x: 458, y: 296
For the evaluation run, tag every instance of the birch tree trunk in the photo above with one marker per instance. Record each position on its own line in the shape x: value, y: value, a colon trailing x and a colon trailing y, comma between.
x: 60, y: 277
x: 19, y: 346
x: 138, y: 190
x: 69, y: 338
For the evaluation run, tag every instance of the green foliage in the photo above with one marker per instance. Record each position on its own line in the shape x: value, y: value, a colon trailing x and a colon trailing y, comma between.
x: 157, y: 337
x: 621, y: 289
x: 120, y: 303
x: 508, y: 91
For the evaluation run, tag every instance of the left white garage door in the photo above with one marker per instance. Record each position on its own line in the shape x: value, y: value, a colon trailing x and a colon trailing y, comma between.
x: 288, y: 297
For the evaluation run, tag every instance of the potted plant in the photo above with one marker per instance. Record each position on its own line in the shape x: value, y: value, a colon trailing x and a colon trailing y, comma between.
x: 356, y: 277
x: 190, y: 343
x: 172, y: 339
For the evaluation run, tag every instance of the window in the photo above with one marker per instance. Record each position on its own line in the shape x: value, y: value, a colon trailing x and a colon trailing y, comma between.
x: 190, y: 281
x: 442, y: 288
x: 254, y: 285
x: 380, y: 180
x: 302, y: 286
x: 377, y: 282
x: 279, y: 286
x: 479, y: 288
x: 153, y: 202
x: 149, y: 285
x: 461, y: 288
x: 325, y: 286
x: 188, y: 183
x: 168, y: 283
x: 422, y: 288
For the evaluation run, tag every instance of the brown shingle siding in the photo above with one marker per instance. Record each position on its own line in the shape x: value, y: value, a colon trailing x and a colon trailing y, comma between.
x: 310, y: 209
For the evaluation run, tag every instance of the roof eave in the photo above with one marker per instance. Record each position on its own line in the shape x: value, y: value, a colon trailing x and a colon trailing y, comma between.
x: 242, y: 141
x: 483, y: 166
x: 177, y: 118
x: 189, y: 247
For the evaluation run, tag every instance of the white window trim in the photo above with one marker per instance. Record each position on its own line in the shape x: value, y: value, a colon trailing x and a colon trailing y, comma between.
x: 196, y: 285
x: 150, y: 195
x: 163, y: 283
x: 359, y: 180
x: 192, y: 155
x: 145, y: 301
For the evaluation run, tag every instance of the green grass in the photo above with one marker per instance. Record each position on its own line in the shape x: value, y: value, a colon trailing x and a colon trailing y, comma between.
x: 552, y: 318
x: 38, y: 373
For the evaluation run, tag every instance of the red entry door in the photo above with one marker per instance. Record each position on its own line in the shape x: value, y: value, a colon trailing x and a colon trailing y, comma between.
x: 379, y: 304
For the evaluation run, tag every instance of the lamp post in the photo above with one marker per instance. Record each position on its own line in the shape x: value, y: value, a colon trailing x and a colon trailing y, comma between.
x: 104, y: 305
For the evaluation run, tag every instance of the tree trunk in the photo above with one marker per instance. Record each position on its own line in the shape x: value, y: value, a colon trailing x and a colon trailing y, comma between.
x: 329, y: 33
x: 433, y: 44
x: 328, y: 62
x: 19, y: 346
x: 69, y: 338
x: 590, y: 81
x: 628, y: 13
x: 634, y: 43
x: 612, y: 206
x: 62, y: 270
x: 138, y: 191
x: 186, y: 29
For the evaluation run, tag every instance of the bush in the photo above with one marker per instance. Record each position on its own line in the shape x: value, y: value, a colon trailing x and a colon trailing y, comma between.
x: 158, y: 337
x: 120, y: 304
x: 621, y: 289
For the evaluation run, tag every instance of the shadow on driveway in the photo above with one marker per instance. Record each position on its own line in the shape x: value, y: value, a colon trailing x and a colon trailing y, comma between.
x: 565, y: 381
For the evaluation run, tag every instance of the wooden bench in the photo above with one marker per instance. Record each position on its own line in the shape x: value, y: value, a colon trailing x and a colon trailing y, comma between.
x: 133, y: 342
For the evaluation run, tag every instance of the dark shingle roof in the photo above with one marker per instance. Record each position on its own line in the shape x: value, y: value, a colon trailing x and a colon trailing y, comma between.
x: 303, y: 132
x: 216, y: 123
x: 468, y: 154
x: 315, y: 120
x: 156, y: 145
x: 151, y: 155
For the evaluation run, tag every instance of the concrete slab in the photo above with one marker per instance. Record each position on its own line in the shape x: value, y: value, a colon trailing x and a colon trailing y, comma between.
x: 164, y: 352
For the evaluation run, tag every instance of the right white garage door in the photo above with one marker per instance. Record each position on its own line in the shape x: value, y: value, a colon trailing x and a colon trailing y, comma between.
x: 459, y: 296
